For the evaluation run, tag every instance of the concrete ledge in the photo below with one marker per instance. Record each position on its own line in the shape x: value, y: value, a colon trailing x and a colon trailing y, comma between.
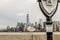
x: 56, y: 36
x: 23, y: 36
x: 22, y: 33
x: 27, y: 36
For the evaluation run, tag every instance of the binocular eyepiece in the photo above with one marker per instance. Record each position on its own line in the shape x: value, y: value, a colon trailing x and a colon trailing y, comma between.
x: 40, y: 0
x: 45, y: 0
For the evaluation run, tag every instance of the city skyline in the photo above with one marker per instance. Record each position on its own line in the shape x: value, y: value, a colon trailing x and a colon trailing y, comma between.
x: 13, y: 11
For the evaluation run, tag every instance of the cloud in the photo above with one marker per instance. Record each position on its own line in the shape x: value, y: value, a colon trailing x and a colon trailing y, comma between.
x: 20, y: 14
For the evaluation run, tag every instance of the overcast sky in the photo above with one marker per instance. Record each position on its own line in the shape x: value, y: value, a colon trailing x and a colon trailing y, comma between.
x: 13, y: 11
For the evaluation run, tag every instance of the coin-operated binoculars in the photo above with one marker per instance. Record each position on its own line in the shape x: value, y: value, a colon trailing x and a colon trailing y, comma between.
x: 48, y: 8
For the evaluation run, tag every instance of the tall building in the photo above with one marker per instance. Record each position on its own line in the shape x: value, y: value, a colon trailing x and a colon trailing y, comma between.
x: 41, y: 21
x: 27, y: 21
x: 56, y: 25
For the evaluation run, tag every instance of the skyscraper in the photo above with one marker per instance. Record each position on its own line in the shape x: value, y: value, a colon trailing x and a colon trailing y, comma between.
x: 27, y: 21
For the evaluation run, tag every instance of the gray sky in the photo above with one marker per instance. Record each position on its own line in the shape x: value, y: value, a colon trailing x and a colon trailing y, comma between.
x: 13, y: 11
